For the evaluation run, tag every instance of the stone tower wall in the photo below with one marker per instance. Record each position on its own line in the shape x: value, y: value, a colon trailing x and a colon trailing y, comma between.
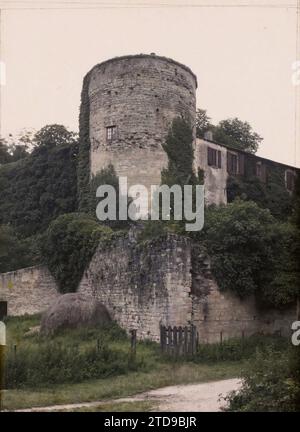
x: 139, y: 95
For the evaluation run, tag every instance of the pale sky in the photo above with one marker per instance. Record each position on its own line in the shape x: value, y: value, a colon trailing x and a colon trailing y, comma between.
x: 242, y: 57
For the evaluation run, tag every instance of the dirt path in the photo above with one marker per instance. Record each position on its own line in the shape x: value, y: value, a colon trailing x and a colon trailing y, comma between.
x: 182, y: 398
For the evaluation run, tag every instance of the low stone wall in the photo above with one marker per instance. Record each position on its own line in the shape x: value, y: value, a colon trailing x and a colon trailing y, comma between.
x: 27, y: 291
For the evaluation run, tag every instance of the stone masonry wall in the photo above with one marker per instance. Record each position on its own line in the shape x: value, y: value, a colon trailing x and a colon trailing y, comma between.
x: 143, y: 285
x: 216, y: 312
x: 27, y: 291
x: 140, y: 95
x: 165, y: 280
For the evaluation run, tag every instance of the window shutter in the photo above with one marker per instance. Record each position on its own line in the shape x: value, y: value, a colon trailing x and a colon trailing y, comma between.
x: 241, y: 162
x: 219, y: 159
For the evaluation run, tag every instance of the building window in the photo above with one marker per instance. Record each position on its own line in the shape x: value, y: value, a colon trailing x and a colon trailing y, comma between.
x: 213, y: 157
x: 111, y: 133
x: 290, y: 180
x: 232, y: 163
x: 3, y: 309
x: 258, y: 170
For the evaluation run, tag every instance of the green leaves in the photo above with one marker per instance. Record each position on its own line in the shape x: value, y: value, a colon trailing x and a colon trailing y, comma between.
x: 252, y: 253
x: 69, y: 244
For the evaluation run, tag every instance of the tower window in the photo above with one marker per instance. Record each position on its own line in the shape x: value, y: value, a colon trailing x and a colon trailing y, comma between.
x: 111, y: 133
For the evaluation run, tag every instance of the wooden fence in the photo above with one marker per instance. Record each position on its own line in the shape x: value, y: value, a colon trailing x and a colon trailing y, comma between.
x: 179, y: 341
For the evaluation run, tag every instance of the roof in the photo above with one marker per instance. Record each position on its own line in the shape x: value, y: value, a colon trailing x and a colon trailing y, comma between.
x: 249, y: 154
x: 133, y: 56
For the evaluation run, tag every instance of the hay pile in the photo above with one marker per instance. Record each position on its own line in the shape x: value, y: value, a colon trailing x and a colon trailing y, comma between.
x: 72, y: 311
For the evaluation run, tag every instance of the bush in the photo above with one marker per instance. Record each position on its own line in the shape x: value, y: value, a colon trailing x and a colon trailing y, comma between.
x: 237, y: 349
x: 37, y: 189
x: 68, y: 246
x: 57, y: 363
x: 267, y: 384
x: 251, y: 253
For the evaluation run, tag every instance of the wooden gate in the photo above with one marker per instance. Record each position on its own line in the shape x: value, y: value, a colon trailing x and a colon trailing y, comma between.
x: 179, y: 341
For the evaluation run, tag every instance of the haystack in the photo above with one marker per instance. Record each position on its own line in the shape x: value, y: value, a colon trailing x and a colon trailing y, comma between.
x: 72, y: 311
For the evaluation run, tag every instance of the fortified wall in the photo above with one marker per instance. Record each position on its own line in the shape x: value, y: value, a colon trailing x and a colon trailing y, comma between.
x: 144, y: 284
x: 27, y: 291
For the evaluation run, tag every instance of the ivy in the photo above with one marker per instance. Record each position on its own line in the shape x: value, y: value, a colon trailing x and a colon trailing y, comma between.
x: 68, y: 246
x: 83, y: 168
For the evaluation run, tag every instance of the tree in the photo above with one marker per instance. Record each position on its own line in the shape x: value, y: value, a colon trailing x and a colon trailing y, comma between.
x: 16, y: 253
x: 54, y: 135
x: 203, y: 123
x: 5, y: 156
x: 68, y: 245
x: 237, y: 134
x: 251, y: 253
x: 40, y: 187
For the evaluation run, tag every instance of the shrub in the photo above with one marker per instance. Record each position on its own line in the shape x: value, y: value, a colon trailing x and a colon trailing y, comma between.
x: 251, y: 252
x: 267, y: 384
x: 69, y: 244
x: 236, y: 349
x: 57, y: 363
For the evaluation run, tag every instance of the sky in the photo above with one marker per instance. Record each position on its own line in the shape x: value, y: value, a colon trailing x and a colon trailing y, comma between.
x: 242, y: 56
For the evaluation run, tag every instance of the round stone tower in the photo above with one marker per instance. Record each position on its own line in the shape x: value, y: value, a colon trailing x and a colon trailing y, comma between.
x: 132, y: 102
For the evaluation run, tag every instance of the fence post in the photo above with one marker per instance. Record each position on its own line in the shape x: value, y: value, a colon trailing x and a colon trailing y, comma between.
x: 180, y: 347
x: 2, y: 358
x: 175, y: 330
x: 133, y: 342
x: 186, y: 335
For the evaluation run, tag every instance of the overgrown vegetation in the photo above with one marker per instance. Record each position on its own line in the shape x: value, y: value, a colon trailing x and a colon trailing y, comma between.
x: 38, y: 188
x: 180, y: 169
x: 68, y: 245
x: 71, y: 356
x: 103, y: 352
x: 271, y: 194
x: 252, y: 253
x: 83, y: 184
x: 268, y: 384
x: 232, y: 132
x: 17, y: 252
x: 107, y: 176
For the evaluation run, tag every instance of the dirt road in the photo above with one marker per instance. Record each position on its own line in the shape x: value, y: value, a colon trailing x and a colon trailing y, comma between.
x: 182, y: 398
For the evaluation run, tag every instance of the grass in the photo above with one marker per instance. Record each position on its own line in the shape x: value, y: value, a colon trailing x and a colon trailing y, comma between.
x: 151, y: 370
x: 120, y: 386
x: 136, y: 406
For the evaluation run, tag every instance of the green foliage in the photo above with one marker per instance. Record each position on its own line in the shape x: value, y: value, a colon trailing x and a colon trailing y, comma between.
x: 53, y: 136
x: 72, y: 356
x: 68, y: 245
x: 180, y: 152
x: 251, y: 253
x: 152, y: 229
x: 83, y: 170
x: 180, y: 170
x: 37, y: 189
x: 203, y: 123
x: 268, y: 384
x: 272, y: 194
x: 237, y: 349
x: 15, y: 252
x: 237, y: 134
x: 107, y: 176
